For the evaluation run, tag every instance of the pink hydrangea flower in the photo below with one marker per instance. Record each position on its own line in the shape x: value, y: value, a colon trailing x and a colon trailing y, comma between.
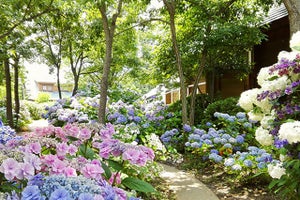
x: 107, y: 132
x: 59, y: 132
x: 49, y: 159
x: 92, y: 171
x: 72, y: 130
x: 62, y: 149
x: 34, y: 160
x: 85, y: 134
x: 106, y: 147
x: 131, y: 154
x: 10, y: 168
x: 26, y: 171
x: 35, y: 147
x: 70, y: 172
x: 58, y: 167
x: 72, y: 150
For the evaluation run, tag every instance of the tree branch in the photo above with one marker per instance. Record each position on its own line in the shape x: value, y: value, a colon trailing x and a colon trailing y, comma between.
x: 10, y: 30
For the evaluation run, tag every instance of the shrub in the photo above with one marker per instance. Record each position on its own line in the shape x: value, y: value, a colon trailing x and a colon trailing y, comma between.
x: 202, y: 101
x: 228, y: 105
x: 43, y: 97
x: 34, y: 109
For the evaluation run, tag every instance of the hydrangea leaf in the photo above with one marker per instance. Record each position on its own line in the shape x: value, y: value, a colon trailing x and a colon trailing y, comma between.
x: 86, y: 151
x: 138, y: 185
x: 115, y: 165
x: 106, y: 169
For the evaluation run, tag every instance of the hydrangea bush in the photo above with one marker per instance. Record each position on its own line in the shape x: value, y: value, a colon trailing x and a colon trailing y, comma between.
x: 89, y: 154
x: 142, y: 122
x: 276, y: 106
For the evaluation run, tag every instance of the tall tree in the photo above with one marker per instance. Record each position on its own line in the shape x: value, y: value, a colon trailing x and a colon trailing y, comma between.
x: 207, y: 33
x: 9, y: 107
x: 293, y: 8
x: 109, y: 27
x: 52, y: 33
x: 14, y: 14
x: 170, y: 5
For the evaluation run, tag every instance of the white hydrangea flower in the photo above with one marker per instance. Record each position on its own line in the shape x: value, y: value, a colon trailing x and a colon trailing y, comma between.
x: 265, y: 121
x: 276, y: 84
x: 263, y: 137
x: 276, y: 171
x: 295, y: 41
x: 290, y: 131
x: 264, y: 75
x: 248, y: 98
x: 282, y: 157
x: 265, y: 105
x: 287, y: 55
x: 255, y: 116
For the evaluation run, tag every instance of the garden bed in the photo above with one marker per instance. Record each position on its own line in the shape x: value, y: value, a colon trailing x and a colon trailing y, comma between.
x: 223, y: 186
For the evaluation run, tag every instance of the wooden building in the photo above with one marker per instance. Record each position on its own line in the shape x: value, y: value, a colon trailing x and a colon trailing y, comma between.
x: 262, y: 55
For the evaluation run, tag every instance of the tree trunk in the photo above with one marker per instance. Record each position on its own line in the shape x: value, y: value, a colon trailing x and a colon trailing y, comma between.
x: 170, y: 5
x: 293, y: 8
x: 210, y: 83
x: 109, y: 31
x: 9, y: 107
x: 198, y: 77
x: 58, y: 81
x: 16, y: 88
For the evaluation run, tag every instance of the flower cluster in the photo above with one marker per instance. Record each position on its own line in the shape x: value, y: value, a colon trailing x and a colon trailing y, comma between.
x: 71, y: 152
x: 6, y: 133
x: 135, y: 154
x: 221, y: 140
x: 279, y: 124
x: 122, y: 113
x: 66, y: 111
x: 250, y: 161
x: 78, y: 188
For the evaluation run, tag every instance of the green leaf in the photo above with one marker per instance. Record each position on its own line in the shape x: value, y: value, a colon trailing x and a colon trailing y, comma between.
x: 137, y: 185
x: 273, y: 183
x: 106, y: 169
x: 115, y: 165
x: 86, y: 151
x: 71, y: 138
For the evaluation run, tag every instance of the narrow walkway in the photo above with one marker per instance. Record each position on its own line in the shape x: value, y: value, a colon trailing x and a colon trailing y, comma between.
x: 186, y: 186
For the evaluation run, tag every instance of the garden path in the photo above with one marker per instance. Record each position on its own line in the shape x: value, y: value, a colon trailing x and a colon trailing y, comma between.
x: 185, y: 185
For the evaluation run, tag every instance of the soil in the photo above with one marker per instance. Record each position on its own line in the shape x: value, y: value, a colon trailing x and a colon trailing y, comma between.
x: 227, y: 188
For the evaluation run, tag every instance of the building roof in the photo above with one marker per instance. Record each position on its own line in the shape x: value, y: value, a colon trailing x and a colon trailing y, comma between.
x: 275, y: 13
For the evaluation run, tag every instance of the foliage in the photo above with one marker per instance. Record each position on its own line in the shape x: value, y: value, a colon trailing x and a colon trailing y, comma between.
x: 43, y: 97
x: 228, y: 105
x: 213, y: 27
x: 34, y: 109
x: 202, y: 101
x: 23, y: 118
x: 2, y: 95
x: 124, y: 94
x: 276, y: 106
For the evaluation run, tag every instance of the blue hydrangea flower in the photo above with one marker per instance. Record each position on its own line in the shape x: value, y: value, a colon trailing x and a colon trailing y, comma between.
x: 60, y: 194
x: 248, y: 163
x: 85, y: 196
x: 187, y: 128
x: 229, y: 162
x: 31, y: 192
